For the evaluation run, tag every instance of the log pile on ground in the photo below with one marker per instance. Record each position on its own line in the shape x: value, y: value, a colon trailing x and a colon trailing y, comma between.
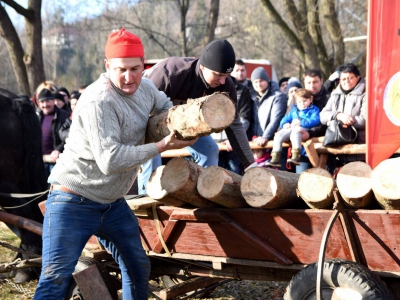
x: 199, y: 117
x: 385, y: 179
x: 354, y: 184
x: 316, y: 188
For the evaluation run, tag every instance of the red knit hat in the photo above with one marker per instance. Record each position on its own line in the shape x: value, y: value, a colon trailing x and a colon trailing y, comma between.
x: 122, y: 44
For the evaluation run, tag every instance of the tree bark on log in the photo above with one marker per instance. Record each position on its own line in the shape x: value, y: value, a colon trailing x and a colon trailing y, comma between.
x: 385, y: 179
x: 179, y: 179
x: 199, y: 117
x: 221, y: 186
x: 354, y: 184
x: 316, y: 187
x: 268, y: 188
x: 157, y: 192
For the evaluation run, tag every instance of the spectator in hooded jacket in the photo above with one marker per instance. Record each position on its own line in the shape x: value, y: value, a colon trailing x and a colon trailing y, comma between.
x: 269, y: 107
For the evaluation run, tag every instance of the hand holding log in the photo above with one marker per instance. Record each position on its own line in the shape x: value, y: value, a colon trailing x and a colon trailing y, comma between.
x: 199, y: 117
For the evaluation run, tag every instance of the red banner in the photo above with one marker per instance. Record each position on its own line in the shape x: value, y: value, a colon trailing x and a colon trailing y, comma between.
x: 383, y: 80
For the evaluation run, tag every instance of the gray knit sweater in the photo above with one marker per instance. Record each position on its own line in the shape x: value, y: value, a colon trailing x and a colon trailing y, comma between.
x: 105, y: 144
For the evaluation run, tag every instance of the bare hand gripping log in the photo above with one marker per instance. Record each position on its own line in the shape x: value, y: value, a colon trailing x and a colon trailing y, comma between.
x: 199, y: 117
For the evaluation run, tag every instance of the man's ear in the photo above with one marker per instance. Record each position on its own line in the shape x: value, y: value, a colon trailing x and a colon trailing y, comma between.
x: 106, y: 64
x: 201, y: 67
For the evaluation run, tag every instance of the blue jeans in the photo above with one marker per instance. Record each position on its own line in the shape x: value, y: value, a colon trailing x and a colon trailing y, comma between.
x: 204, y: 152
x: 230, y: 162
x: 70, y: 220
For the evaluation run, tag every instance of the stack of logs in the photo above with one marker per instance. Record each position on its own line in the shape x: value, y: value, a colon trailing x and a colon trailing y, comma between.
x: 183, y: 183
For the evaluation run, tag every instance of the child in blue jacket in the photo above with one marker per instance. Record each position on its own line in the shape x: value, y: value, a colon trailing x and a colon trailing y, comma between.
x: 303, y: 116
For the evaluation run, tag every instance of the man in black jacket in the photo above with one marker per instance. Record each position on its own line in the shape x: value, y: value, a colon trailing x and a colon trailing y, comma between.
x: 181, y: 78
x: 51, y: 119
x: 314, y: 83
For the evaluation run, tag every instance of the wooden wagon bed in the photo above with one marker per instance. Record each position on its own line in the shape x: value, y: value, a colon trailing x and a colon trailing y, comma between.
x: 282, y: 239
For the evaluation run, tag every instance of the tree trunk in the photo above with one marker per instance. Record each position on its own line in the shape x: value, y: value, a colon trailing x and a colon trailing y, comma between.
x: 354, y: 184
x: 268, y: 188
x: 385, y: 179
x: 155, y: 190
x: 221, y: 186
x: 199, y: 117
x: 211, y: 22
x: 34, y: 56
x: 179, y: 179
x: 15, y: 50
x: 316, y: 187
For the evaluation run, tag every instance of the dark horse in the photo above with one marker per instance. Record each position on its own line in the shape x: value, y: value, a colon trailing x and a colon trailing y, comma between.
x: 21, y: 169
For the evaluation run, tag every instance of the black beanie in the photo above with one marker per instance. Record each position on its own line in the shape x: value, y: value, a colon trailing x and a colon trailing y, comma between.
x: 218, y: 56
x: 59, y: 96
x: 45, y: 94
x: 282, y: 80
x: 63, y: 89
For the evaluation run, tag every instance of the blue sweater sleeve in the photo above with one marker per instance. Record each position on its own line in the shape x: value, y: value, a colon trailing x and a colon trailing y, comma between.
x: 309, y: 117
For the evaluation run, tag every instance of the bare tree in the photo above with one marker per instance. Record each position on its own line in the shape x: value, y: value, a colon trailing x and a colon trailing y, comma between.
x: 28, y: 64
x: 212, y: 22
x: 304, y: 34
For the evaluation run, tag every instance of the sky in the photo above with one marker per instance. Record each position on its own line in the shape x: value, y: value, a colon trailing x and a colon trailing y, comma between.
x: 74, y: 9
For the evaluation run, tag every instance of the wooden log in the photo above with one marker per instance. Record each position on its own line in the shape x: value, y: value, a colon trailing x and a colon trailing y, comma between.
x: 156, y: 191
x: 385, y: 179
x: 316, y: 187
x: 354, y: 184
x: 268, y: 188
x: 179, y: 179
x: 93, y: 285
x: 21, y: 222
x: 199, y: 117
x: 221, y: 186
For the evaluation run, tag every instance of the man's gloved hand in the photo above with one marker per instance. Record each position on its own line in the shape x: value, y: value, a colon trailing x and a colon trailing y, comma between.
x: 253, y: 165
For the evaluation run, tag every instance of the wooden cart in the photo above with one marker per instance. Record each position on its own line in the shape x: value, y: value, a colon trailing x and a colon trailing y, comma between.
x: 211, y: 246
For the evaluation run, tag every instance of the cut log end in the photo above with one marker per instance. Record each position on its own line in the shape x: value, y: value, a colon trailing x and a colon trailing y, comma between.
x: 258, y: 187
x: 385, y: 180
x: 156, y: 191
x: 176, y: 175
x: 221, y: 186
x: 219, y: 113
x: 354, y: 184
x: 316, y: 187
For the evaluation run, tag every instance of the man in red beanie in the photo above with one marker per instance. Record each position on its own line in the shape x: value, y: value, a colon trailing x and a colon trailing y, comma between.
x: 97, y: 168
x: 181, y: 78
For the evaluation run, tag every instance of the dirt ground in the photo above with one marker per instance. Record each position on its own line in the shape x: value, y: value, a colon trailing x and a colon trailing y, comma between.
x: 234, y: 290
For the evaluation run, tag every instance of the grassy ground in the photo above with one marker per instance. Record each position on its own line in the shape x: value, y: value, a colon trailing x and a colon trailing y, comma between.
x: 8, y: 290
x: 234, y: 290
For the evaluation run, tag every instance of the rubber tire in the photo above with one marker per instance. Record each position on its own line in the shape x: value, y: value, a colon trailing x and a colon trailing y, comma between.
x: 337, y: 273
x: 73, y: 289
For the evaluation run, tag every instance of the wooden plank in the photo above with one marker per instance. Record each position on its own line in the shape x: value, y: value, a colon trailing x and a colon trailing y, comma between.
x: 92, y: 284
x: 187, y: 286
x: 165, y: 234
x: 142, y: 203
x: 296, y: 233
x: 248, y: 236
x: 222, y: 147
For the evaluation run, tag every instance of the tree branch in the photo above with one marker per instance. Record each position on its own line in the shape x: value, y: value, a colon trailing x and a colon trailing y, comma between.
x: 19, y: 9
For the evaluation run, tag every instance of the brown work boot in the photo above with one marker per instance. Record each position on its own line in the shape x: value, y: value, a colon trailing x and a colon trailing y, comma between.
x: 296, y: 155
x: 275, y: 160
